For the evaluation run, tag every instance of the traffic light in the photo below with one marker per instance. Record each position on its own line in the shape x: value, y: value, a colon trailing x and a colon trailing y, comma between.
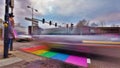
x: 67, y: 25
x: 55, y: 24
x: 72, y: 25
x: 43, y: 20
x: 50, y: 23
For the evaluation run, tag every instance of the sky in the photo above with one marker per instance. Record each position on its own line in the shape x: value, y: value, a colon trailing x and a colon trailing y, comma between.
x: 66, y: 11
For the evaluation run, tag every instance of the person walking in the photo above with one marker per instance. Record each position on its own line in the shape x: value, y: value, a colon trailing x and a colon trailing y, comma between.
x: 11, y: 35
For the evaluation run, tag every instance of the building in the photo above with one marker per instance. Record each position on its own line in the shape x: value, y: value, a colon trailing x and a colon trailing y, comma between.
x: 36, y: 30
x: 111, y: 30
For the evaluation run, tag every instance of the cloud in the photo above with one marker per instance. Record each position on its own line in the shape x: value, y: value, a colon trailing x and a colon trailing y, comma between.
x: 64, y: 7
x: 108, y: 17
x: 71, y: 7
x: 65, y: 10
x: 21, y: 8
x: 43, y: 6
x: 21, y: 11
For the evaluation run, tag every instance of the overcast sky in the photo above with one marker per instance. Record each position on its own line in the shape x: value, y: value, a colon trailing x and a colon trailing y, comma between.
x: 66, y: 11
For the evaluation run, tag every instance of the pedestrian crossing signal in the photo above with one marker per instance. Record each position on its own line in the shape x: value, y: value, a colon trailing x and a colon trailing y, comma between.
x: 67, y: 25
x: 43, y: 20
x: 50, y: 23
x: 72, y: 25
x: 55, y: 24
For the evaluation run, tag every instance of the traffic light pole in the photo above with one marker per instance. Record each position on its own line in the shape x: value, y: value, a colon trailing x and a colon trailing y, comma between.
x: 32, y: 30
x: 8, y: 4
x: 6, y: 29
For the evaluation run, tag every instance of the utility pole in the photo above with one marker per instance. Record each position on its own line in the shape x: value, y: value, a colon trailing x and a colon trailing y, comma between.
x: 32, y: 29
x: 32, y: 23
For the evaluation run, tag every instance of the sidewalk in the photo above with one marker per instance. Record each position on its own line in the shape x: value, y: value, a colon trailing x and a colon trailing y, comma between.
x: 18, y: 58
x: 7, y: 61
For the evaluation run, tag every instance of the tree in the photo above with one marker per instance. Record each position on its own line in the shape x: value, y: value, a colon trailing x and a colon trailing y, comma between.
x: 82, y: 23
x: 102, y: 23
x: 94, y: 25
x: 114, y: 25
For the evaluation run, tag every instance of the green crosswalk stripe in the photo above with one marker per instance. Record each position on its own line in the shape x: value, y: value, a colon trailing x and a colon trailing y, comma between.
x: 48, y: 54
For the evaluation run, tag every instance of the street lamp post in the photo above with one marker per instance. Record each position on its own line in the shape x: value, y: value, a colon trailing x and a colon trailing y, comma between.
x: 32, y: 17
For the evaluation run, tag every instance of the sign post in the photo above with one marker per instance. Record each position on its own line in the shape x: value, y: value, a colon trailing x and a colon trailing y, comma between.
x: 8, y: 3
x: 6, y: 28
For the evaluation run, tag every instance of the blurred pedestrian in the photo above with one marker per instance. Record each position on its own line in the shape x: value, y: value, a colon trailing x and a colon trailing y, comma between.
x: 11, y: 35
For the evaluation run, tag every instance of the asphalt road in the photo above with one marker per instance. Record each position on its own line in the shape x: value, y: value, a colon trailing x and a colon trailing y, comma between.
x: 32, y: 61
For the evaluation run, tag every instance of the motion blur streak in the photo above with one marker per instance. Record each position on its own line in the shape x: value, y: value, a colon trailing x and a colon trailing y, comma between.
x: 76, y: 43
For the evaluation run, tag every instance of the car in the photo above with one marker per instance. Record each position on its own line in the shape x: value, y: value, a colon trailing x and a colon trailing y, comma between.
x: 20, y: 38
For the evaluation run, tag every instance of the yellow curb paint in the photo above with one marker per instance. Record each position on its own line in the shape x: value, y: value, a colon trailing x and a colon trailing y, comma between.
x: 101, y: 42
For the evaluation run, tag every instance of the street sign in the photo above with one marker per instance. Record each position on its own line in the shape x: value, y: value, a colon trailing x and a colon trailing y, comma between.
x: 29, y: 19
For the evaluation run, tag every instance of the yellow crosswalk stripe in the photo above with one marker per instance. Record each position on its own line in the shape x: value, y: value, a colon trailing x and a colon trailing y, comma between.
x: 38, y: 52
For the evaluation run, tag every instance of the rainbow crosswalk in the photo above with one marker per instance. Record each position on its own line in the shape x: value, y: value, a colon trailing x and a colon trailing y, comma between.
x: 44, y: 52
